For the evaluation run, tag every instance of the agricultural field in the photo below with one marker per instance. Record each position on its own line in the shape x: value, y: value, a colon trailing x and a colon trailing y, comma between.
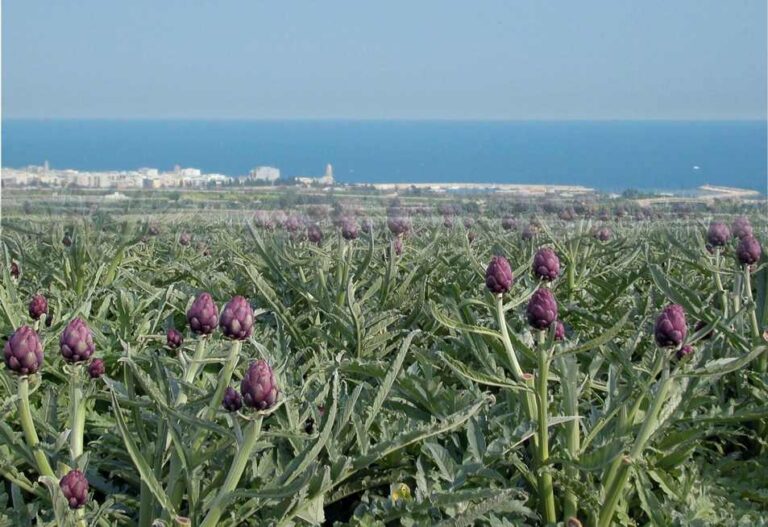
x: 370, y: 361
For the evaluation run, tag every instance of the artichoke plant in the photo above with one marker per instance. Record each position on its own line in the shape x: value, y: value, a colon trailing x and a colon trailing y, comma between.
x: 203, y: 315
x: 236, y: 320
x: 546, y: 264
x: 498, y: 275
x: 76, y: 341
x: 38, y: 307
x: 259, y: 387
x: 23, y: 351
x: 542, y: 309
x: 74, y: 487
x: 670, y: 329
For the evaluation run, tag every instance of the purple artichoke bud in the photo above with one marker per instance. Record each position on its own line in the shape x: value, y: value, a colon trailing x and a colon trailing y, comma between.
x: 174, y: 338
x: 153, y: 230
x: 15, y: 270
x: 559, y: 330
x: 546, y: 264
x: 66, y: 241
x: 508, y: 223
x: 447, y: 222
x: 96, y: 368
x: 349, y: 229
x: 38, y: 307
x: 367, y: 225
x: 718, y: 234
x: 749, y: 250
x: 701, y: 325
x: 741, y: 227
x: 185, y: 238
x: 259, y: 387
x: 471, y: 235
x: 398, y: 225
x: 529, y: 232
x: 23, y: 351
x: 567, y: 214
x: 292, y: 224
x: 498, y: 276
x: 670, y: 329
x: 203, y: 315
x: 74, y: 487
x: 684, y: 351
x: 76, y: 341
x: 236, y: 321
x: 264, y: 220
x: 603, y: 234
x: 469, y: 222
x: 314, y: 234
x: 542, y: 309
x: 232, y: 400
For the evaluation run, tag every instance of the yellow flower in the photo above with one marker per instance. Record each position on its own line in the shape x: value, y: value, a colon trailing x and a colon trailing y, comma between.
x: 400, y: 491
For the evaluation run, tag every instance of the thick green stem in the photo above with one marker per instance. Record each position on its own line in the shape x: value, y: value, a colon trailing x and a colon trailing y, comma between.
x: 77, y: 413
x: 517, y: 372
x: 649, y: 425
x: 571, y: 273
x: 625, y: 425
x: 28, y: 426
x: 572, y: 440
x: 753, y: 309
x: 192, y: 369
x: 225, y: 376
x: 251, y: 434
x: 546, y: 493
x: 719, y: 283
x: 529, y: 397
x: 341, y: 273
x: 737, y: 295
x: 175, y: 483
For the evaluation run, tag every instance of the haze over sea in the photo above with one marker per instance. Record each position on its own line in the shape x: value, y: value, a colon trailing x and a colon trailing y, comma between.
x: 607, y: 155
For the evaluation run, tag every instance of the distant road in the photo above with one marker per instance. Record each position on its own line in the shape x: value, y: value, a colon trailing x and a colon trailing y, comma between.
x: 709, y: 193
x: 527, y: 189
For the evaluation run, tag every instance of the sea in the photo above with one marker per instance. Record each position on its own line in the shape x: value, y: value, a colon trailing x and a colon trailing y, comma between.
x: 607, y: 155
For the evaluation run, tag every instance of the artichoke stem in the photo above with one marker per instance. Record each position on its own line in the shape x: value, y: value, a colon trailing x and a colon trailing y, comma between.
x: 546, y: 493
x: 77, y: 415
x: 250, y: 435
x: 28, y: 426
x: 616, y: 488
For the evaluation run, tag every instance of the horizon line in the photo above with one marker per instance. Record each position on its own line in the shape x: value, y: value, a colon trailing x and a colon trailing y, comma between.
x: 398, y: 119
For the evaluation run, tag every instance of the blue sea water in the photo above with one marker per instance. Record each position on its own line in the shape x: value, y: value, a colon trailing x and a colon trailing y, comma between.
x: 608, y: 155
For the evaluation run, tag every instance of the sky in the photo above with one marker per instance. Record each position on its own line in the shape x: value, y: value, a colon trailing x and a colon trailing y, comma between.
x: 399, y: 59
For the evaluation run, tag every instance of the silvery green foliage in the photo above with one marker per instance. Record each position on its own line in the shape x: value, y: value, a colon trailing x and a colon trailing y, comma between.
x: 397, y: 399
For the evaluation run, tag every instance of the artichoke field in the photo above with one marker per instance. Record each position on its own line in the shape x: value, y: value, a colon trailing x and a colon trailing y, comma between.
x: 381, y: 369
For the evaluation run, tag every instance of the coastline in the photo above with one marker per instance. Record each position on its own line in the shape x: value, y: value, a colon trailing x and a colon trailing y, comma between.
x: 513, y: 188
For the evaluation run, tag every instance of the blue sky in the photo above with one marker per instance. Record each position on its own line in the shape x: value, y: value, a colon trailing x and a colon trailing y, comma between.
x: 425, y: 59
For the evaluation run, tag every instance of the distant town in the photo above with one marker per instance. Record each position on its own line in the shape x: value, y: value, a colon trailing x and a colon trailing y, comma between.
x: 151, y: 178
x: 46, y: 177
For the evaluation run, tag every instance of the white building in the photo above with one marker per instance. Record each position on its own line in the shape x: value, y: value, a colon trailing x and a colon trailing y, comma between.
x: 189, y: 172
x: 327, y: 178
x: 269, y: 174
